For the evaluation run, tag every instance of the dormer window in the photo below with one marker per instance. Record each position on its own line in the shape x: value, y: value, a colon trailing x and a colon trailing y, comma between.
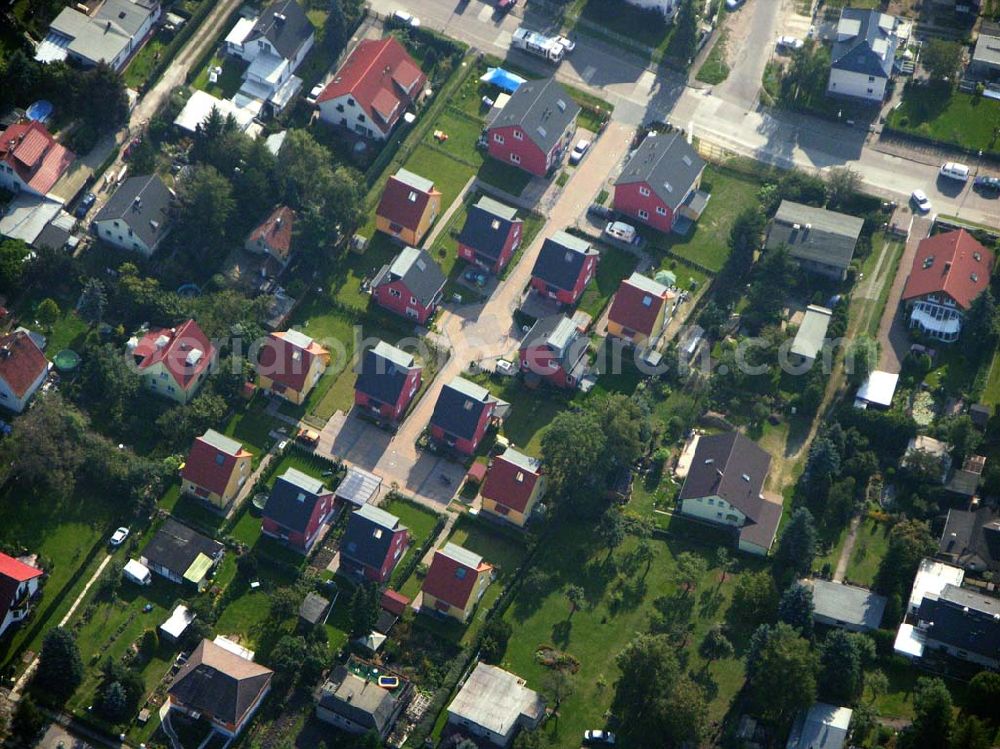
x: 518, y: 135
x: 460, y: 573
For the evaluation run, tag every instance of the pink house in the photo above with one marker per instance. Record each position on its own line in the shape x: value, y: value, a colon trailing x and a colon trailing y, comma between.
x: 564, y: 267
x: 491, y: 235
x: 411, y: 286
x: 462, y: 415
x: 388, y: 380
x: 373, y: 543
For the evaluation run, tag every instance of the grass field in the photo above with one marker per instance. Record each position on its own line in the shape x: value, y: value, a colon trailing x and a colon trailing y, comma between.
x: 228, y: 82
x: 140, y: 66
x: 252, y: 426
x: 613, y: 266
x: 531, y: 410
x: 950, y: 117
x: 421, y: 523
x: 870, y: 546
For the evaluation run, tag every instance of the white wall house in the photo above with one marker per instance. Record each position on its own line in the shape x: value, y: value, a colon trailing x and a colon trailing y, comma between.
x: 713, y: 509
x: 863, y: 55
x: 18, y: 586
x: 23, y: 369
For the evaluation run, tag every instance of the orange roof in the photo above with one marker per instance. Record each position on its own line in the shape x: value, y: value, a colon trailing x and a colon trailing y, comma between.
x: 275, y: 232
x: 953, y: 263
x: 21, y: 362
x: 34, y: 155
x: 185, y: 352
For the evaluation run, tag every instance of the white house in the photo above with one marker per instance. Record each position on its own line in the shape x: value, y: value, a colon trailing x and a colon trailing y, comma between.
x: 23, y: 368
x: 863, y: 54
x: 18, y: 586
x: 136, y: 218
x: 111, y: 35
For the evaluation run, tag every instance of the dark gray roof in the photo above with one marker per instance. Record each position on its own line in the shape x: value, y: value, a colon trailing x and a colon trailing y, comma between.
x: 383, y: 371
x: 487, y: 226
x: 836, y: 602
x: 963, y: 619
x: 286, y: 35
x: 729, y: 466
x: 358, y: 700
x: 368, y: 536
x: 562, y: 336
x: 822, y: 236
x: 972, y: 539
x: 542, y: 108
x: 175, y: 547
x: 866, y: 42
x: 293, y: 498
x: 313, y: 608
x: 418, y: 272
x: 667, y: 163
x: 459, y: 406
x: 143, y: 203
x: 561, y: 258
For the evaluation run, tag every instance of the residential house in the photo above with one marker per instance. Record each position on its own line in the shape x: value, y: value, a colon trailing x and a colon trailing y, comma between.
x: 275, y: 44
x: 314, y: 610
x: 411, y: 286
x: 359, y: 705
x: 216, y: 469
x: 971, y: 539
x: 137, y: 216
x: 173, y: 362
x: 640, y: 310
x: 289, y: 364
x: 981, y: 413
x: 373, y: 543
x: 931, y: 578
x: 668, y: 8
x: 985, y: 61
x: 455, y: 581
x: 273, y: 236
x: 877, y: 390
x: 810, y: 338
x: 555, y: 350
x: 564, y: 267
x: 494, y: 704
x: 845, y: 606
x: 110, y: 34
x: 491, y: 235
x: 659, y: 182
x: 934, y: 451
x: 724, y: 486
x: 31, y: 161
x: 372, y: 90
x: 949, y: 271
x: 462, y: 414
x: 181, y: 554
x: 388, y: 380
x: 408, y: 208
x: 535, y: 127
x: 513, y: 487
x: 23, y: 369
x: 18, y: 587
x: 297, y: 509
x: 220, y: 686
x: 823, y: 725
x: 962, y: 623
x: 818, y: 240
x: 861, y: 63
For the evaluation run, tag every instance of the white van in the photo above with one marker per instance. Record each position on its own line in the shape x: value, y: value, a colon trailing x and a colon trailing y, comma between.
x: 954, y: 170
x: 621, y: 231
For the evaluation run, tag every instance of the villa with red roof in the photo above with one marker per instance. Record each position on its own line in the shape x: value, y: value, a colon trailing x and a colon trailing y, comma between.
x: 23, y: 368
x: 273, y: 236
x: 949, y: 271
x: 372, y: 90
x: 173, y: 361
x: 456, y: 580
x: 513, y: 486
x: 31, y: 160
x: 290, y: 364
x: 408, y: 207
x: 215, y: 469
x: 639, y: 310
x: 18, y: 586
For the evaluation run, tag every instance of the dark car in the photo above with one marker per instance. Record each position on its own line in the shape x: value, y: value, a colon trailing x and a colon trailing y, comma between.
x: 987, y: 184
x: 84, y: 205
x: 505, y: 6
x: 598, y: 211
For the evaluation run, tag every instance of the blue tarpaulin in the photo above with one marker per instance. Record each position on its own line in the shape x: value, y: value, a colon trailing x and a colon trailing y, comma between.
x: 502, y: 78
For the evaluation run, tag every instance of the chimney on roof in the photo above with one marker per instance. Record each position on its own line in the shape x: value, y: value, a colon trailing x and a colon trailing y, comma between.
x: 947, y: 265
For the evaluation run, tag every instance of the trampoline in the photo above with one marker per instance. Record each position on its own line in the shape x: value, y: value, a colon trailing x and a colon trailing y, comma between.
x: 66, y: 360
x: 40, y: 111
x: 503, y: 79
x: 188, y: 290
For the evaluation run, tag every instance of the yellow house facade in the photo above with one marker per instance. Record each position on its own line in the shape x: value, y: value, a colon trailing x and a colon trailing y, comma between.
x: 455, y: 582
x: 216, y: 468
x: 290, y: 364
x: 514, y: 484
x: 408, y: 208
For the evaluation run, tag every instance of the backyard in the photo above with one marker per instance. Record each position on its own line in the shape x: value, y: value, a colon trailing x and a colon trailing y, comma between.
x: 614, y: 265
x: 934, y: 111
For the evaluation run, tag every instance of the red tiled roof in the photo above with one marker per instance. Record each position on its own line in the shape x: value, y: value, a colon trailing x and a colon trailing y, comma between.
x: 394, y: 602
x: 21, y: 362
x: 173, y: 347
x: 629, y: 311
x: 443, y: 581
x: 12, y: 574
x: 397, y: 207
x: 378, y: 71
x: 203, y: 467
x: 31, y: 151
x: 284, y: 361
x: 953, y: 263
x: 275, y: 232
x: 476, y: 473
x: 509, y: 484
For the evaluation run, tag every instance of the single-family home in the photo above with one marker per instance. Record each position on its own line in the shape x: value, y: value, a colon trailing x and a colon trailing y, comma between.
x: 137, y: 216
x: 725, y: 486
x: 216, y: 469
x: 864, y: 50
x: 949, y: 271
x: 965, y: 481
x: 23, y: 369
x: 971, y: 539
x: 31, y: 160
x: 818, y: 240
x: 411, y: 285
x: 372, y: 90
x: 640, y: 310
x: 495, y: 705
x: 491, y: 234
x: 273, y: 236
x: 564, y: 267
x: 462, y: 414
x: 289, y: 364
x: 555, y: 350
x: 373, y: 543
x: 810, y: 338
x: 388, y: 379
x: 18, y: 586
x: 985, y: 61
x: 220, y: 686
x: 823, y: 725
x: 659, y: 182
x: 962, y: 623
x: 513, y: 487
x: 877, y: 390
x: 455, y: 581
x: 845, y: 606
x: 358, y: 705
x: 535, y: 127
x: 110, y: 34
x: 297, y: 509
x: 930, y: 450
x: 173, y: 362
x: 409, y: 205
x: 181, y: 554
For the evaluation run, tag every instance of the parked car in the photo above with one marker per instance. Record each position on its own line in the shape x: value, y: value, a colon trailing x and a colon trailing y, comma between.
x: 119, y: 536
x: 790, y: 42
x: 621, y: 231
x: 505, y: 6
x: 920, y: 199
x: 601, y: 212
x: 566, y: 43
x: 314, y: 94
x: 308, y: 436
x: 598, y: 737
x: 987, y: 184
x: 954, y: 170
x: 581, y: 147
x: 733, y: 4
x: 403, y: 18
x: 84, y: 205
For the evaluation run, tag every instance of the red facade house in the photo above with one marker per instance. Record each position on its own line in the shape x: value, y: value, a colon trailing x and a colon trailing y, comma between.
x: 555, y: 350
x: 30, y: 159
x: 410, y: 286
x: 491, y: 235
x: 639, y: 310
x: 659, y: 178
x: 564, y: 267
x: 534, y: 129
x: 455, y: 581
x: 513, y: 484
x: 387, y: 381
x: 462, y: 415
x: 373, y: 543
x: 297, y: 509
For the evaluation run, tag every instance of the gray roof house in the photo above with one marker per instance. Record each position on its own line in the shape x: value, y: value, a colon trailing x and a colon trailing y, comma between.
x: 487, y: 231
x: 820, y: 241
x: 357, y: 705
x: 179, y: 553
x: 565, y: 348
x: 863, y: 54
x: 963, y: 623
x: 494, y: 704
x: 561, y: 259
x: 971, y: 539
x: 460, y: 406
x: 667, y: 164
x: 845, y: 606
x: 823, y: 726
x: 986, y: 55
x: 137, y: 216
x: 811, y: 335
x: 417, y: 271
x: 543, y: 110
x: 111, y: 35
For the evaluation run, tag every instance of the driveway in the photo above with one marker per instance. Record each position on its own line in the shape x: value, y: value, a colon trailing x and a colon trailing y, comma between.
x: 751, y: 41
x: 893, y: 336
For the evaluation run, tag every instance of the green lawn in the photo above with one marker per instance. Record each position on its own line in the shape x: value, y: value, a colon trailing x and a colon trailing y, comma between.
x: 955, y: 118
x: 991, y: 393
x: 247, y: 617
x: 618, y: 24
x: 531, y: 410
x: 715, y: 70
x: 252, y: 426
x: 870, y: 546
x: 228, y: 82
x: 613, y: 266
x: 140, y: 66
x: 68, y: 331
x: 419, y: 520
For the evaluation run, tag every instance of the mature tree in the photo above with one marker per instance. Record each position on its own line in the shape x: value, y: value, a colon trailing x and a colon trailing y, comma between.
x: 101, y: 99
x: 60, y: 669
x: 983, y: 695
x: 28, y: 721
x: 909, y: 542
x: 573, y: 435
x: 963, y: 435
x: 283, y: 604
x: 47, y: 448
x: 876, y: 684
x: 109, y: 379
x: 296, y: 660
x: 941, y: 58
x: 972, y: 733
x: 841, y: 502
x: 808, y: 73
x: 93, y: 301
x: 112, y: 703
x: 625, y: 428
x: 364, y: 609
x: 842, y: 186
x: 612, y: 529
x: 781, y: 672
x: 12, y: 255
x: 725, y: 562
x: 797, y: 547
x: 684, y: 41
x: 822, y: 467
x: 933, y: 716
x: 691, y: 568
x: 744, y: 241
x: 842, y: 663
x: 772, y: 279
x: 980, y: 327
x: 755, y: 599
x: 575, y: 596
x: 643, y: 555
x: 493, y: 639
x: 47, y: 312
x: 860, y: 358
x: 182, y: 423
x: 796, y: 609
x: 715, y: 645
x: 205, y: 204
